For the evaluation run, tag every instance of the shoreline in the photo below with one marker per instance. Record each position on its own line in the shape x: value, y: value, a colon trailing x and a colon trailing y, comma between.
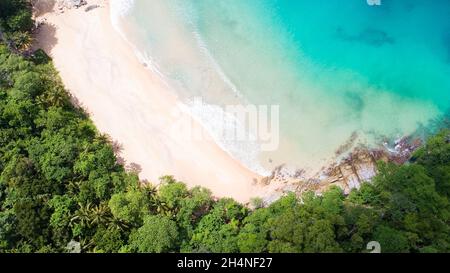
x: 133, y: 106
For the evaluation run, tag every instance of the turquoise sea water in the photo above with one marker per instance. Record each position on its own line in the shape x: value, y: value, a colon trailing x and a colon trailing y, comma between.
x: 336, y: 68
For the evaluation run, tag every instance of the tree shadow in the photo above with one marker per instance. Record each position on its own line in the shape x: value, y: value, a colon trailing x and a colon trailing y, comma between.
x: 45, y: 35
x: 117, y: 147
x: 134, y: 168
x: 75, y: 102
x: 79, y: 106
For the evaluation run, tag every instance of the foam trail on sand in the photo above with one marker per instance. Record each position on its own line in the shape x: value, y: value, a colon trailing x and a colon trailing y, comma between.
x: 222, y: 126
x: 353, y: 76
x: 120, y: 8
x: 208, y: 115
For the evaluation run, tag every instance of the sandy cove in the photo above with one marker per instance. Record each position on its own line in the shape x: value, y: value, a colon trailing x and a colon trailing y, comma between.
x: 133, y: 105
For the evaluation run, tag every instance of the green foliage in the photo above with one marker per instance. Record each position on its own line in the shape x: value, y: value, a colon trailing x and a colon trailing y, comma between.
x: 191, y: 209
x: 63, y: 208
x: 60, y: 183
x: 108, y: 240
x: 307, y: 227
x: 172, y: 192
x: 20, y: 40
x: 130, y: 206
x: 435, y: 157
x: 40, y: 57
x: 56, y: 172
x: 15, y: 23
x: 254, y: 235
x: 19, y: 21
x: 391, y: 240
x: 217, y: 231
x: 158, y: 234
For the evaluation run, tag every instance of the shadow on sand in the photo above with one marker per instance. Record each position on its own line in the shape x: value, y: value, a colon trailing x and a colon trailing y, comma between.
x: 41, y: 7
x: 45, y: 37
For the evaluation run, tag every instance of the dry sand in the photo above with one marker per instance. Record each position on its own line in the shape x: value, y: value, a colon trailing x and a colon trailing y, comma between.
x: 134, y: 107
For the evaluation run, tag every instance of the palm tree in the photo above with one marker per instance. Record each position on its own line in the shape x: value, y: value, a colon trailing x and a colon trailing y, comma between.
x: 82, y: 215
x: 100, y: 215
x: 118, y: 224
x: 22, y: 40
x: 161, y: 207
x: 90, y: 215
x: 56, y: 96
x: 73, y: 186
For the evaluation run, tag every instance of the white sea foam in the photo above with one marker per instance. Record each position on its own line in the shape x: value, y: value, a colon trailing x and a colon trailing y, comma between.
x: 120, y: 8
x: 221, y: 125
x: 204, y: 48
x: 117, y: 10
x: 211, y: 117
x: 218, y: 123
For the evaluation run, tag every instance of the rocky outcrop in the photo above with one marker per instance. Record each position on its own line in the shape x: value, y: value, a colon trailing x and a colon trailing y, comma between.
x: 70, y: 4
x: 282, y: 174
x: 359, y: 166
x: 403, y: 149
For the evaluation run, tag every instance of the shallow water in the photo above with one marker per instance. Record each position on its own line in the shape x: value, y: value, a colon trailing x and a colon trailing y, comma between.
x: 335, y: 68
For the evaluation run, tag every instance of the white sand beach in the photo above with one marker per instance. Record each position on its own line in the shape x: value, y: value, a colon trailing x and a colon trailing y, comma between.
x: 133, y: 105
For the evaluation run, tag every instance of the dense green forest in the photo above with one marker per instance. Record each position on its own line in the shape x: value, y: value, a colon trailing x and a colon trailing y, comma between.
x: 60, y: 182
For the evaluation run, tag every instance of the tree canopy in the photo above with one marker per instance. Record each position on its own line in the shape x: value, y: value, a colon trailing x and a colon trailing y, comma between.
x: 60, y: 183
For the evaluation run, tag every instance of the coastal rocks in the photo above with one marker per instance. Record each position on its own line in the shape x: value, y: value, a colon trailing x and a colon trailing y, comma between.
x: 348, y: 145
x: 41, y: 7
x: 348, y: 173
x: 403, y: 149
x: 359, y: 167
x: 282, y: 174
x: 70, y: 4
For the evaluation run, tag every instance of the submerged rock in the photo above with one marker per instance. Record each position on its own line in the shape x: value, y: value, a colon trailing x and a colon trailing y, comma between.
x: 369, y: 36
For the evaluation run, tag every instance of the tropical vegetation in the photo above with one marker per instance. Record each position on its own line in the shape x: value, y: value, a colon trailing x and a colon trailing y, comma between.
x: 60, y: 185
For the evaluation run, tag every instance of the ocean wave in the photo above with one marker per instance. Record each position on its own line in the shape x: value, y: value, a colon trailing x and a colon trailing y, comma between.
x: 207, y: 53
x: 119, y: 8
x: 211, y: 117
x: 221, y: 125
x: 208, y: 115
